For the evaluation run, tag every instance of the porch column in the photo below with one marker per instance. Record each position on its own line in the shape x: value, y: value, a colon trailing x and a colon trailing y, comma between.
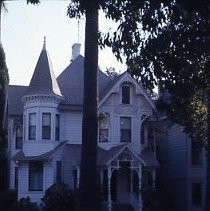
x: 131, y: 185
x: 140, y: 191
x: 153, y: 178
x: 78, y: 176
x: 109, y: 174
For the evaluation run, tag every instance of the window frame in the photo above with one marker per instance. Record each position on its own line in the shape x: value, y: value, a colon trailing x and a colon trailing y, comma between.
x: 18, y: 137
x: 126, y: 94
x: 57, y: 127
x: 196, y: 153
x: 103, y: 130
x: 35, y: 169
x: 127, y: 131
x: 31, y: 127
x: 59, y: 171
x: 46, y: 129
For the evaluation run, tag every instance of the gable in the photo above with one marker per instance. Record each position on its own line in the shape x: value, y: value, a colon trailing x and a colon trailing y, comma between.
x: 138, y: 95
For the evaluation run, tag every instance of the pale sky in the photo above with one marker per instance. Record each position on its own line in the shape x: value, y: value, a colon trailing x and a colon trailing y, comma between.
x: 23, y: 30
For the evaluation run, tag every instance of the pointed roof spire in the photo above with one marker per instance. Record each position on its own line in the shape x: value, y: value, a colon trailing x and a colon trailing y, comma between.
x: 43, y: 80
x: 44, y: 45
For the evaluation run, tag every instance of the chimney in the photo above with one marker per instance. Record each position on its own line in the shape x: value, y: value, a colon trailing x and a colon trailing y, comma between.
x: 75, y: 51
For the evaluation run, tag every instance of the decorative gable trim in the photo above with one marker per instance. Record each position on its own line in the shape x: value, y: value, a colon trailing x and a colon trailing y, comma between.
x: 124, y: 148
x: 126, y: 77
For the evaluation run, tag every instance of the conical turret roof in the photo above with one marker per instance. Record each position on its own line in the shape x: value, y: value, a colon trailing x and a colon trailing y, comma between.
x: 43, y: 80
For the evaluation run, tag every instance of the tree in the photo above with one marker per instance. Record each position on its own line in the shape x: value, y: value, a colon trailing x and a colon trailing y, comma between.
x: 88, y: 171
x: 175, y: 52
x: 4, y: 80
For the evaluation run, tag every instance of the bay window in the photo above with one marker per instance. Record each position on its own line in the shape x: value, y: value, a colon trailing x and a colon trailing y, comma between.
x: 46, y: 126
x: 32, y: 126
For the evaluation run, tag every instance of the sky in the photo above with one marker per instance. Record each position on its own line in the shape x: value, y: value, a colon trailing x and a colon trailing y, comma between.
x: 23, y: 30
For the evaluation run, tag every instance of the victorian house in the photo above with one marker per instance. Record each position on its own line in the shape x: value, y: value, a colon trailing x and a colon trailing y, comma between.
x: 45, y: 132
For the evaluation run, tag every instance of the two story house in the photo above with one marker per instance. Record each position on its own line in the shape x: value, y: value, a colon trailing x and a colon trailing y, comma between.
x: 184, y: 169
x: 45, y: 133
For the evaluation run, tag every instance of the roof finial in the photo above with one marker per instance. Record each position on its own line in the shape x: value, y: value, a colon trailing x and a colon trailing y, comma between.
x: 44, y: 46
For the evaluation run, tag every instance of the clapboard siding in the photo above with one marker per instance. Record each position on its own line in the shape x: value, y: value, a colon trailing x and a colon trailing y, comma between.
x: 72, y: 127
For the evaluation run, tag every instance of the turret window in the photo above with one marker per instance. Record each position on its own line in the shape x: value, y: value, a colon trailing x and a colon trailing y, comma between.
x: 32, y: 126
x: 46, y: 126
x: 57, y: 127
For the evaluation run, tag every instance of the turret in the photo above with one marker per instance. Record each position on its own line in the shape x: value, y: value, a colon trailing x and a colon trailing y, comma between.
x: 41, y: 115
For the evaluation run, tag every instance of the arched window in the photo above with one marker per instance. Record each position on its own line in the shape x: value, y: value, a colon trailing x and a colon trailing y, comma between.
x: 103, y: 128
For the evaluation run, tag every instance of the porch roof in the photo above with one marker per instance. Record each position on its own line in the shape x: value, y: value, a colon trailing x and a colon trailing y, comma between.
x: 72, y: 152
x: 104, y: 157
x: 20, y: 156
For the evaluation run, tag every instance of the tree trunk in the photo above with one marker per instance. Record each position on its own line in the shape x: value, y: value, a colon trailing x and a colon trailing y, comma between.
x: 88, y: 174
x: 207, y: 195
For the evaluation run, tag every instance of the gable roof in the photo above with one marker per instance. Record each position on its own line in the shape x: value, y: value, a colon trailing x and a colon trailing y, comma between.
x: 120, y: 79
x: 43, y: 80
x: 68, y: 84
x: 71, y: 82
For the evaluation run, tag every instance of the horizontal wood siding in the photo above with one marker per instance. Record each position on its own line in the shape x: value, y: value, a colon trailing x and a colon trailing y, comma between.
x: 177, y: 153
x: 72, y: 127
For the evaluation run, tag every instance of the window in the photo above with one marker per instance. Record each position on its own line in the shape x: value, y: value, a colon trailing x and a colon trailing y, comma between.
x: 18, y: 137
x: 126, y: 94
x: 125, y: 129
x: 16, y: 178
x: 103, y: 129
x: 196, y: 194
x: 58, y: 172
x: 57, y: 127
x: 196, y: 152
x: 142, y: 134
x: 32, y: 126
x: 35, y: 176
x: 46, y: 126
x: 74, y: 172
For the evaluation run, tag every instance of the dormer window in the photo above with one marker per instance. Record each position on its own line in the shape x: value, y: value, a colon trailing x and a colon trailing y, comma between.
x: 32, y: 126
x: 126, y: 94
x: 46, y: 126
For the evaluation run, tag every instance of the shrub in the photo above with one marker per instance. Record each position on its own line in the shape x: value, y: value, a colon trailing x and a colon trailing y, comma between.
x: 59, y: 197
x: 25, y: 204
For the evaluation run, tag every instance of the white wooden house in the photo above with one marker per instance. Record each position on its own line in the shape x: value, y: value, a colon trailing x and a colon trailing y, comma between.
x: 184, y: 166
x: 45, y: 131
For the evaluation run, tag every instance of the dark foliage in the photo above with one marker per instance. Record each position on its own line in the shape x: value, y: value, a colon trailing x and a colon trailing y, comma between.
x: 59, y: 197
x: 25, y: 204
x: 8, y: 200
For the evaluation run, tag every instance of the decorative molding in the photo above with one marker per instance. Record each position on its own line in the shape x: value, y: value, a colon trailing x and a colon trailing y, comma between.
x: 44, y: 98
x: 123, y: 110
